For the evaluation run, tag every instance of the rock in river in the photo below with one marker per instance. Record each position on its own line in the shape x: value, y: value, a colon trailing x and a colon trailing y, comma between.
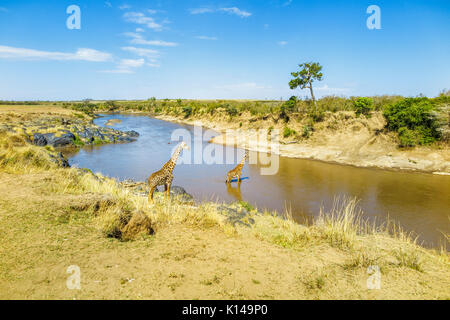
x: 39, y: 140
x: 132, y: 134
x: 62, y: 141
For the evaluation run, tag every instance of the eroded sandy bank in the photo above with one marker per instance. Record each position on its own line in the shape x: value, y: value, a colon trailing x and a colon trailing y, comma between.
x: 339, y: 139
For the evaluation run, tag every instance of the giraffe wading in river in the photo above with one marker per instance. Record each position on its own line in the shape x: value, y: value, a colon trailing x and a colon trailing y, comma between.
x: 237, y: 172
x: 164, y: 177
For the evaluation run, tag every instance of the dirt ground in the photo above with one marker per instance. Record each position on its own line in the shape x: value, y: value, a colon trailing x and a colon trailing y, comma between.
x: 41, y: 235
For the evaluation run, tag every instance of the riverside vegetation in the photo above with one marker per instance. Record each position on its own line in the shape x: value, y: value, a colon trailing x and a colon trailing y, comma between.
x: 390, y: 132
x: 53, y: 217
x: 417, y: 121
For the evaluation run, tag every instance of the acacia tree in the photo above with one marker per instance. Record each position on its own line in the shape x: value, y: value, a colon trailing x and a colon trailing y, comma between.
x: 310, y: 72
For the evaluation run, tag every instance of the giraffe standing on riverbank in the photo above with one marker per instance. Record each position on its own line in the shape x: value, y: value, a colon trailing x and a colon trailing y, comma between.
x: 237, y: 172
x: 164, y: 177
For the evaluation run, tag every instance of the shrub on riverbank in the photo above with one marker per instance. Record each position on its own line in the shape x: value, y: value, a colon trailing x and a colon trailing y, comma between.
x: 256, y: 108
x: 363, y: 106
x: 287, y: 132
x: 415, y: 121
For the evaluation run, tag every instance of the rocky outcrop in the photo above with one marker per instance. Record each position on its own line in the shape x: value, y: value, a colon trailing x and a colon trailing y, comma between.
x: 142, y: 189
x: 39, y: 140
x: 234, y: 213
x: 60, y: 160
x: 181, y: 194
x: 132, y: 133
x: 58, y: 133
x: 52, y: 139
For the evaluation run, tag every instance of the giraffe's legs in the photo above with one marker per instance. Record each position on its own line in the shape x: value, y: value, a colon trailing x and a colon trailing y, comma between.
x: 168, y: 190
x: 150, y: 195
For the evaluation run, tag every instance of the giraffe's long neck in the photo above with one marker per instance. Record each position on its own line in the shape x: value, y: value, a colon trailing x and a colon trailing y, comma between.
x: 173, y: 161
x: 244, y: 159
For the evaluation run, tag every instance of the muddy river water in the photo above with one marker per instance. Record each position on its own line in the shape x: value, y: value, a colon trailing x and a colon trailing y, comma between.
x: 420, y: 203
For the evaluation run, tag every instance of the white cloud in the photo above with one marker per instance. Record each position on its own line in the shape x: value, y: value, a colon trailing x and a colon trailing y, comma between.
x: 283, y: 43
x: 124, y: 7
x: 82, y: 54
x: 127, y: 66
x: 132, y: 63
x: 236, y: 11
x: 152, y: 11
x: 142, y: 19
x: 160, y: 43
x: 137, y: 38
x: 287, y: 3
x: 92, y: 55
x: 148, y: 53
x: 206, y: 38
x: 232, y: 10
x: 139, y: 30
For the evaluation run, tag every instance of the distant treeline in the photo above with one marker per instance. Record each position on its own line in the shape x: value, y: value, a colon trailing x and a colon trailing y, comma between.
x: 17, y: 103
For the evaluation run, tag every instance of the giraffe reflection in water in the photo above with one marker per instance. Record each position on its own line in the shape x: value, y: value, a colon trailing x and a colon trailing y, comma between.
x: 235, y: 192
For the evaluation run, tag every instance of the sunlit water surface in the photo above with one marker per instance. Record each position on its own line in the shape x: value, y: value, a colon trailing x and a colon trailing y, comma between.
x: 419, y: 202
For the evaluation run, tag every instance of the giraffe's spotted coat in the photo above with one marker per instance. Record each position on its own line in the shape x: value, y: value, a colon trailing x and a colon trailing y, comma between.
x: 237, y: 172
x: 164, y: 177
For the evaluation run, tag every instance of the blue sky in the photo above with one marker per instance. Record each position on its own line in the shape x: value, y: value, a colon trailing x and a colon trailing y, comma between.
x: 220, y: 49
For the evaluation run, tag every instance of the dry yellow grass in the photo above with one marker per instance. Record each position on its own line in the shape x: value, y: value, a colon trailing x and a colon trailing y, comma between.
x: 40, y: 109
x: 51, y: 219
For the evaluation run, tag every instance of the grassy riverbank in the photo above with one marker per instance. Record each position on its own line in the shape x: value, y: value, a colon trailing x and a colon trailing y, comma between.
x: 388, y: 132
x: 53, y: 217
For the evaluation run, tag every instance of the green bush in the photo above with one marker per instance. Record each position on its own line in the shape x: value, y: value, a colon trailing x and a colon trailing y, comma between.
x: 317, y: 115
x: 363, y: 106
x: 78, y: 142
x: 287, y: 132
x: 415, y: 121
x: 307, y: 131
x: 111, y: 105
x: 247, y: 206
x: 287, y: 108
x: 85, y: 107
x: 408, y: 138
x: 291, y: 104
x: 231, y: 110
x: 187, y: 111
x: 334, y: 104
